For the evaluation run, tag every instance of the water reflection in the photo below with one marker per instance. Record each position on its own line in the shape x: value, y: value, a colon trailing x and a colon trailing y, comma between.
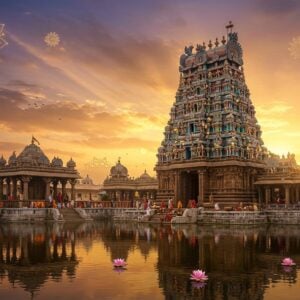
x: 31, y: 255
x: 242, y: 263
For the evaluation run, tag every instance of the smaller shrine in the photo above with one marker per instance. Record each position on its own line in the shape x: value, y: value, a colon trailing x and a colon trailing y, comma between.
x: 280, y: 184
x: 85, y: 190
x: 119, y: 186
x: 31, y: 176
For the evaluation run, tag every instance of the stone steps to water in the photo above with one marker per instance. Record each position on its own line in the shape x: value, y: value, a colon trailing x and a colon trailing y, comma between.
x: 70, y: 215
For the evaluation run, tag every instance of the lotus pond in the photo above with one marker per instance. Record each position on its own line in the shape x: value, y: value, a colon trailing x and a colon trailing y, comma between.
x: 77, y: 262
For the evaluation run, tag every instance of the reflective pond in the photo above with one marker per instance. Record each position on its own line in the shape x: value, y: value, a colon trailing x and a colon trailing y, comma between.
x: 75, y: 262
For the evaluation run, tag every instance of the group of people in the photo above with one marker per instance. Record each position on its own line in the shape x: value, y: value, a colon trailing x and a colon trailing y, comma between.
x: 60, y: 201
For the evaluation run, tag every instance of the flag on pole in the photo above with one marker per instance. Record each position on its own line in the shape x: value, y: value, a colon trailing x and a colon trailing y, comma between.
x: 34, y: 140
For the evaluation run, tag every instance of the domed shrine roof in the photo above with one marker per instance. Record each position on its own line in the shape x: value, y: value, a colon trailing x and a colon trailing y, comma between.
x: 2, y: 161
x: 31, y: 155
x: 71, y: 164
x: 87, y: 180
x: 145, y: 177
x: 32, y: 162
x: 56, y: 162
x: 118, y: 170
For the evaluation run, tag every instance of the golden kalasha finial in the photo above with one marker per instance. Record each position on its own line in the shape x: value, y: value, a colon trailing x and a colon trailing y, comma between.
x: 210, y: 44
x: 204, y: 46
x: 217, y: 42
x: 223, y: 40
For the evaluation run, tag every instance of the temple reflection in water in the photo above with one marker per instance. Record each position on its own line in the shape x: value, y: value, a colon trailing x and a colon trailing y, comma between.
x: 242, y: 263
x: 30, y: 256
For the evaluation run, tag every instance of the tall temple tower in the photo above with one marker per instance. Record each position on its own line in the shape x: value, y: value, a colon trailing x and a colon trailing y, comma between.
x: 212, y: 149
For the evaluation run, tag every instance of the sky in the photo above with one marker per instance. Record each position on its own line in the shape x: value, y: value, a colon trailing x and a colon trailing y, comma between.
x: 106, y: 89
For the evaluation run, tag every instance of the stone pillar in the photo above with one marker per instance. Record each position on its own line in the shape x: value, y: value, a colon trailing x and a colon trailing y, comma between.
x: 55, y: 182
x: 183, y: 189
x: 297, y: 194
x: 267, y: 195
x: 260, y: 195
x: 177, y: 192
x: 14, y: 188
x: 25, y: 180
x: 248, y: 180
x: 73, y: 182
x: 201, y: 187
x: 47, y: 189
x: 8, y: 188
x: 287, y: 195
x: 1, y: 188
x: 63, y: 188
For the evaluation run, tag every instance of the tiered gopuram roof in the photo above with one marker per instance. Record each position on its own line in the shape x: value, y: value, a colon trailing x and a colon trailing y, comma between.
x: 212, y: 117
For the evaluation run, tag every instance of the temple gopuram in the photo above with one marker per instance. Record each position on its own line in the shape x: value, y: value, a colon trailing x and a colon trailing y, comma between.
x: 212, y: 149
x: 31, y: 175
x: 119, y: 186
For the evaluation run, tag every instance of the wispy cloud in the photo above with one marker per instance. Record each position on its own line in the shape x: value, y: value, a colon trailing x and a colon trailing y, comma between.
x: 294, y: 47
x: 275, y: 108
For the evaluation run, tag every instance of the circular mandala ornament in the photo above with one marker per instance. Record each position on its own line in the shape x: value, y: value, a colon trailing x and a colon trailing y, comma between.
x: 52, y: 39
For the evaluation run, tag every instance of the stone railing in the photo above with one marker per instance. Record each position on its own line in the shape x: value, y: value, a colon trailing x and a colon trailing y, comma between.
x: 283, y: 207
x: 267, y: 216
x: 280, y: 216
x: 232, y: 217
x: 29, y: 214
x: 103, y: 204
x: 105, y: 212
x: 23, y: 203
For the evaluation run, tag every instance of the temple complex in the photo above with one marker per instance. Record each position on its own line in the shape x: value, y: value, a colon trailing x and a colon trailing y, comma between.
x: 119, y: 186
x: 212, y: 148
x: 31, y: 176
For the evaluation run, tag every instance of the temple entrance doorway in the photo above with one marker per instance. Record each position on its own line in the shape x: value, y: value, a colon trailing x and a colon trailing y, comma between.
x: 37, y: 189
x: 190, y: 187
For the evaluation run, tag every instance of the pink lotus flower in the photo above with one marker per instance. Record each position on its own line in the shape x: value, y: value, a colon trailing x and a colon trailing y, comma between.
x: 119, y: 263
x: 287, y: 262
x: 198, y: 275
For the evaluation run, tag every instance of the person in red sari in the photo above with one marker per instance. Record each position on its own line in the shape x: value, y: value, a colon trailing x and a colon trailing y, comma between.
x: 163, y: 206
x: 193, y: 203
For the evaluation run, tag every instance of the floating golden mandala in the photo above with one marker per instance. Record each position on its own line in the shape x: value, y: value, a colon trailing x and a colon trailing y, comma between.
x: 52, y: 39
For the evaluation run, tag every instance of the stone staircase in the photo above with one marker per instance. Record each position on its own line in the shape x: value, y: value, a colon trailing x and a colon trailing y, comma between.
x: 158, y: 218
x: 163, y: 197
x: 70, y: 215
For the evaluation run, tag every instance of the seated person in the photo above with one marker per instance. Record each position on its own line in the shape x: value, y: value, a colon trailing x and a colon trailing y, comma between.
x: 163, y: 205
x: 217, y: 207
x: 179, y: 204
x: 193, y: 204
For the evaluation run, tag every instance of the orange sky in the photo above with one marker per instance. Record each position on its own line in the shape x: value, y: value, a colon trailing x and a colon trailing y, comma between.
x: 106, y: 89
